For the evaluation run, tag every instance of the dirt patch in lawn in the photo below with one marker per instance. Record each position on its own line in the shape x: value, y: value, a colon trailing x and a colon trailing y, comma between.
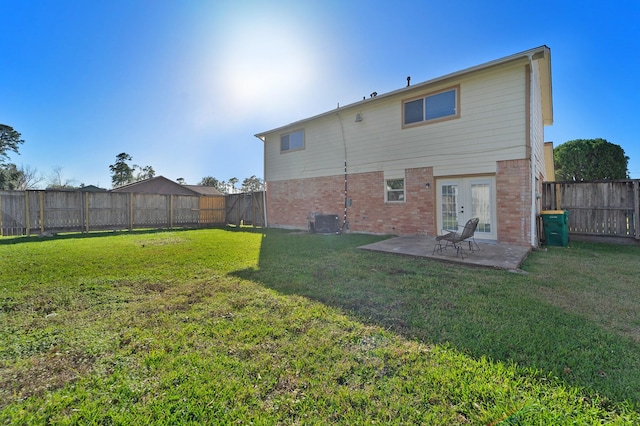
x: 42, y: 373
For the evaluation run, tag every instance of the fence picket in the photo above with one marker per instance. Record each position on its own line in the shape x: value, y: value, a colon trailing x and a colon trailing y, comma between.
x: 604, y: 208
x: 24, y: 212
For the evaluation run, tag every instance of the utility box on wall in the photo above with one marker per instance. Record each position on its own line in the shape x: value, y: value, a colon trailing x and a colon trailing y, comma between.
x: 324, y: 223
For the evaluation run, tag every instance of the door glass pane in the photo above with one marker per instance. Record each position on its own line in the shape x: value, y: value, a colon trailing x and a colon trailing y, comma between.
x: 450, y: 207
x: 481, y: 206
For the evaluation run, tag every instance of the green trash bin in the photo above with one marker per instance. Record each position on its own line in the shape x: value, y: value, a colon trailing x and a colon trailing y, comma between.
x: 556, y: 227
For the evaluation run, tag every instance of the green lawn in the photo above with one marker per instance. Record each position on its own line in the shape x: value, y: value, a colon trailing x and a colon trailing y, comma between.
x: 253, y: 327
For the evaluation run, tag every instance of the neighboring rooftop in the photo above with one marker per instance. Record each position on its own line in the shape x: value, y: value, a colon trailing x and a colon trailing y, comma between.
x: 164, y: 186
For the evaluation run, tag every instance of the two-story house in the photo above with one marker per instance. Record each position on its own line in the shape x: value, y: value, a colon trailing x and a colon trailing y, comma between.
x: 423, y: 158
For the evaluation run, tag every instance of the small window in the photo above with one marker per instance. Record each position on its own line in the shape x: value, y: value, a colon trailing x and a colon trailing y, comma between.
x: 292, y: 141
x: 395, y: 190
x: 437, y: 106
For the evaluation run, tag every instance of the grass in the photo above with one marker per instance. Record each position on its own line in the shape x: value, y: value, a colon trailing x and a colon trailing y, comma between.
x: 240, y: 327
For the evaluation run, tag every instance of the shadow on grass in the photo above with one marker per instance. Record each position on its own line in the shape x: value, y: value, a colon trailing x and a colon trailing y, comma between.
x: 36, y: 238
x: 480, y: 312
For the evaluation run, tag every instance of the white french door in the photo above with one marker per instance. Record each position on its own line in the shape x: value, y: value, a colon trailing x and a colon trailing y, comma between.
x: 464, y: 198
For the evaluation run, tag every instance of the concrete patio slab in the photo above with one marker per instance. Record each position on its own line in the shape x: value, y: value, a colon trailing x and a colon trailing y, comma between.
x: 491, y: 253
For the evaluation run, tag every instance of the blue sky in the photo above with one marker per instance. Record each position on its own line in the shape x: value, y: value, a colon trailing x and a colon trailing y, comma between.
x: 184, y: 85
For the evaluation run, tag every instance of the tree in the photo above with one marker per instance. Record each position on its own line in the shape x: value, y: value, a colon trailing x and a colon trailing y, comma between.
x: 252, y: 184
x: 144, y: 173
x: 56, y: 181
x: 590, y: 159
x: 209, y: 181
x: 121, y: 172
x: 232, y: 184
x: 9, y: 141
x: 220, y: 185
x: 28, y: 178
x: 9, y: 176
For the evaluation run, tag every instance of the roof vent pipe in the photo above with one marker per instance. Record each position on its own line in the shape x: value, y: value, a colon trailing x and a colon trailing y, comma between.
x: 408, y: 81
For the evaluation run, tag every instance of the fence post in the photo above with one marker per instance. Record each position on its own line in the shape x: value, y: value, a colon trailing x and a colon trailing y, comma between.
x: 26, y: 209
x: 170, y: 211
x: 254, y: 201
x: 636, y: 204
x: 41, y: 212
x: 131, y: 211
x: 86, y: 210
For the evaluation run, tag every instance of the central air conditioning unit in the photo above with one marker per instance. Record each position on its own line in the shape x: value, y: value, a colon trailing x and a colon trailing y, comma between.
x: 324, y: 223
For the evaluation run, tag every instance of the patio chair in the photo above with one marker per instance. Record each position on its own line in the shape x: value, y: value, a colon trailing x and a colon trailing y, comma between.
x: 457, y: 239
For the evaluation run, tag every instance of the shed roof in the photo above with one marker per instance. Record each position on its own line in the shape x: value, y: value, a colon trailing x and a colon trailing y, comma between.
x: 204, y: 190
x: 542, y: 54
x: 156, y: 185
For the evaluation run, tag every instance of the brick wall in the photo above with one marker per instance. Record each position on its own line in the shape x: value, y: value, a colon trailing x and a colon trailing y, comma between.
x: 289, y: 202
x: 513, y: 201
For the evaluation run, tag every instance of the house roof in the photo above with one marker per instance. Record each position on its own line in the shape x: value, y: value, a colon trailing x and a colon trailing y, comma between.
x: 157, y: 185
x: 91, y: 188
x: 541, y: 54
x: 204, y: 190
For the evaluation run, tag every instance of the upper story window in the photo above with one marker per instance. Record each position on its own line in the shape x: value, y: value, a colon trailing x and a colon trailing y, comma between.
x: 438, y: 106
x: 292, y: 141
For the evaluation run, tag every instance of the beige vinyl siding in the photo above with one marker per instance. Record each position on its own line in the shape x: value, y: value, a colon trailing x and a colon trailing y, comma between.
x: 323, y: 154
x: 537, y: 125
x: 492, y: 127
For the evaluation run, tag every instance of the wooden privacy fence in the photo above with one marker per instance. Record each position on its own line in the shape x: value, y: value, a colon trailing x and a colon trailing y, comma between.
x: 27, y: 212
x: 597, y: 209
x: 246, y: 208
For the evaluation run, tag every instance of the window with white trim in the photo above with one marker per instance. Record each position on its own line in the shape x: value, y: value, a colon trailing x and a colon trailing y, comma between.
x: 433, y: 107
x: 292, y: 141
x: 395, y: 190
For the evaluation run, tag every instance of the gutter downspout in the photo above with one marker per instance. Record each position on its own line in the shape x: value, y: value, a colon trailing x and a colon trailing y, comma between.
x: 534, y: 204
x: 532, y: 155
x: 345, y: 223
